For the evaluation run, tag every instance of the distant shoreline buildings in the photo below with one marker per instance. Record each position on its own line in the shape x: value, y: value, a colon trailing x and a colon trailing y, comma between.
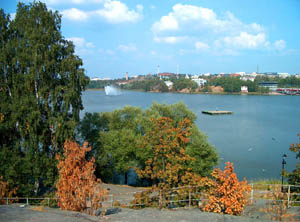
x: 243, y: 76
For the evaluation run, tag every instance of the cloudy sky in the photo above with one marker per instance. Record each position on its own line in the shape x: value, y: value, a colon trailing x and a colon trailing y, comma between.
x: 197, y: 36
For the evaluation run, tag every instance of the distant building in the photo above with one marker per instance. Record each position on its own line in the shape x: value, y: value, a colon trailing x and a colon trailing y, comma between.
x: 195, y: 77
x: 187, y: 76
x: 244, y: 89
x: 206, y: 74
x: 283, y: 75
x: 165, y: 75
x: 122, y: 82
x: 200, y: 82
x: 169, y: 84
x: 271, y: 74
x: 234, y: 75
x: 95, y: 79
x: 126, y: 76
x: 98, y: 79
x: 297, y: 75
x: 246, y: 78
x: 271, y: 85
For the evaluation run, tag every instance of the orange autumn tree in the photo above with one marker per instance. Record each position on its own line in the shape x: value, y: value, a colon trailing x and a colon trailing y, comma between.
x: 5, y: 191
x: 77, y: 187
x: 228, y: 195
x: 165, y: 144
x: 168, y: 165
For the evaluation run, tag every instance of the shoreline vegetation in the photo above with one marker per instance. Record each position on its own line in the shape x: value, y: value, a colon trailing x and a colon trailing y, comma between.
x: 218, y: 85
x: 203, y: 93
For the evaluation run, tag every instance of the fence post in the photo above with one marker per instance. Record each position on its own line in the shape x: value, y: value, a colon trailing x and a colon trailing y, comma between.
x: 48, y: 202
x: 112, y: 200
x: 190, y: 197
x: 160, y: 199
x: 289, y: 192
x: 252, y: 192
x: 27, y: 202
x: 6, y: 200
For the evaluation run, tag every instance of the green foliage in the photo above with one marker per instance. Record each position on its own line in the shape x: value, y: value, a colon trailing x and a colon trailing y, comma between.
x: 230, y: 84
x: 291, y: 81
x: 205, y: 155
x: 40, y: 95
x: 116, y: 136
x: 180, y: 84
x: 99, y: 84
x: 154, y: 84
x: 89, y: 128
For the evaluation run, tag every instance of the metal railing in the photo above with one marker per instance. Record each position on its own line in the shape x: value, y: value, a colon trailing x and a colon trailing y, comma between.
x: 189, y: 194
x: 26, y: 200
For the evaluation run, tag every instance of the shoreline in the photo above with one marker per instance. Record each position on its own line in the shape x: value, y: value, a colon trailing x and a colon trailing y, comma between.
x: 205, y: 93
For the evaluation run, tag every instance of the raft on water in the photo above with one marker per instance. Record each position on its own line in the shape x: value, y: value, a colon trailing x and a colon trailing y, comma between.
x: 217, y: 112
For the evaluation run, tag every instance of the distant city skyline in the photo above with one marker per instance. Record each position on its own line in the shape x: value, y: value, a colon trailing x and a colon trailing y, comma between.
x: 137, y: 36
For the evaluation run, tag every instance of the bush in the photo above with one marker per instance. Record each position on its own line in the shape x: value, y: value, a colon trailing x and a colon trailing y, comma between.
x: 5, y: 191
x: 77, y: 187
x: 228, y: 195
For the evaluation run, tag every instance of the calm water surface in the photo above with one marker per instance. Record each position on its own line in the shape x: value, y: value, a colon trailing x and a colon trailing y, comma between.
x: 254, y: 138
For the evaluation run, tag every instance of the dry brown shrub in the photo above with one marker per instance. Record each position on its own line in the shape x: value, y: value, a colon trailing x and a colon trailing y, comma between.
x: 77, y: 187
x: 5, y: 191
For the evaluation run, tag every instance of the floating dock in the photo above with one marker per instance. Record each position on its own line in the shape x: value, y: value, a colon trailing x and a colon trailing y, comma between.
x: 217, y: 112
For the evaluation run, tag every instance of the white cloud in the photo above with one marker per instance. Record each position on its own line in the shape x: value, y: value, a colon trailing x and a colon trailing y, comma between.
x: 170, y: 39
x: 127, y: 48
x: 75, y: 14
x: 81, y: 45
x: 113, y: 12
x: 201, y: 46
x: 203, y: 19
x: 166, y: 23
x: 243, y: 41
x: 279, y: 44
x: 64, y: 2
x: 211, y: 32
x: 118, y: 12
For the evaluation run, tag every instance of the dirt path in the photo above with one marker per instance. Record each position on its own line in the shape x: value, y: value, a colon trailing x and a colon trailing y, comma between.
x: 121, y: 193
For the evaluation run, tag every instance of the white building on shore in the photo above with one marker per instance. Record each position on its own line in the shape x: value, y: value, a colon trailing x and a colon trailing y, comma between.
x: 169, y: 84
x: 283, y: 75
x: 200, y: 82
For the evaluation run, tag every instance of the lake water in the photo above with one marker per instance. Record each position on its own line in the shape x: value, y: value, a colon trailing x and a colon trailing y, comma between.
x: 254, y: 138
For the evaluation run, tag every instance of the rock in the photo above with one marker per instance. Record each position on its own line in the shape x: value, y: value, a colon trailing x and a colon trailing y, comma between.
x: 107, y: 211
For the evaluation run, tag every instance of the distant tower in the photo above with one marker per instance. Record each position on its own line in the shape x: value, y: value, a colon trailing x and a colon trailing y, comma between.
x: 126, y: 76
x: 158, y: 71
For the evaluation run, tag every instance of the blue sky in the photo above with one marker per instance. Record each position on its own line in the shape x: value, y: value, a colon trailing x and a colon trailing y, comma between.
x: 197, y: 36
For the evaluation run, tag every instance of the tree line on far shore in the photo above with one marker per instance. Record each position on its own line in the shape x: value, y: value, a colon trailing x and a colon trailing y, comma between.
x: 229, y: 84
